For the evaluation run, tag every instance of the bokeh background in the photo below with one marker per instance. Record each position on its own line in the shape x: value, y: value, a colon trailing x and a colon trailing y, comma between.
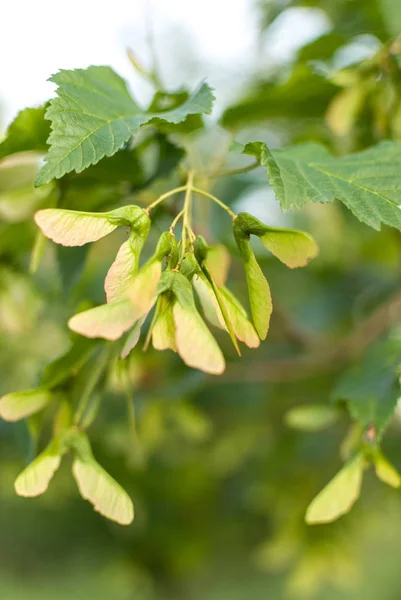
x: 219, y: 478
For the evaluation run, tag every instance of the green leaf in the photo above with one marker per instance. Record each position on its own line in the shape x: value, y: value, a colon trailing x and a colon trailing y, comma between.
x: 35, y: 478
x: 108, y: 321
x: 94, y: 115
x: 97, y: 486
x: 372, y: 389
x: 28, y: 131
x: 339, y: 495
x: 385, y: 470
x: 367, y: 182
x: 313, y: 417
x: 18, y: 405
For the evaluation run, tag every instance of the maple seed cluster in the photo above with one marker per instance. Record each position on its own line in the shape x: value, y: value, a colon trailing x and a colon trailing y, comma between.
x: 190, y: 265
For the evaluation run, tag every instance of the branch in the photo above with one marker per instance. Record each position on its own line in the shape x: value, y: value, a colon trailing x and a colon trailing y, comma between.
x: 324, y: 358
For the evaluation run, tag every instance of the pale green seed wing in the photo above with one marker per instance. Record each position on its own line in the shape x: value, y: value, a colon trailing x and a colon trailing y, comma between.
x: 294, y: 248
x: 132, y: 338
x: 17, y: 405
x: 143, y: 290
x: 71, y: 227
x: 259, y: 296
x: 100, y: 489
x: 235, y: 312
x: 385, y: 470
x: 108, y: 321
x: 339, y: 495
x: 163, y: 332
x: 195, y: 344
x: 35, y: 478
x: 208, y: 301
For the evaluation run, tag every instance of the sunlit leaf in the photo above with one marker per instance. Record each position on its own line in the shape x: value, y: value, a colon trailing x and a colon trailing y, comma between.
x: 339, y: 495
x: 94, y: 115
x: 366, y: 182
x: 18, y: 405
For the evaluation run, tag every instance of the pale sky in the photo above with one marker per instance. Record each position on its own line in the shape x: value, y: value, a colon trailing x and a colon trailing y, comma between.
x: 213, y: 39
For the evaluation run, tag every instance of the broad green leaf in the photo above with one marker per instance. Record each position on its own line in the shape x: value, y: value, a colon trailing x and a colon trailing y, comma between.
x: 385, y: 470
x: 100, y: 489
x: 18, y: 405
x: 195, y: 344
x: 132, y: 338
x: 108, y: 321
x: 163, y: 330
x: 312, y: 417
x: 94, y: 115
x: 339, y: 495
x: 35, y: 478
x: 73, y: 228
x: 368, y: 182
x: 28, y: 131
x: 372, y: 389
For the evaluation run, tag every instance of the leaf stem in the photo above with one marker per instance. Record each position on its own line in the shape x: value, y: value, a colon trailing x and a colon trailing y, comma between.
x: 177, y: 218
x: 229, y: 172
x: 176, y: 190
x: 187, y: 212
x: 216, y: 200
